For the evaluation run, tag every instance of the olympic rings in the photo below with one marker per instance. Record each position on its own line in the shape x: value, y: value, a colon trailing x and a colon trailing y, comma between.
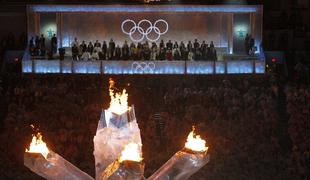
x: 143, y: 67
x: 144, y: 33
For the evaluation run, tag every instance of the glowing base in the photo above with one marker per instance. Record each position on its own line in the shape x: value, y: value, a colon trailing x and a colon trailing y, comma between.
x: 125, y: 170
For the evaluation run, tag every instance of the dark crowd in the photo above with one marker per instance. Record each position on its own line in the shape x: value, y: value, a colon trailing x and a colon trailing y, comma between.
x: 237, y: 115
x: 11, y: 42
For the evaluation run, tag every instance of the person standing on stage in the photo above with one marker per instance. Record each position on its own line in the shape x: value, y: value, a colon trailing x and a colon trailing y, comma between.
x: 175, y: 45
x: 162, y: 54
x: 252, y: 46
x: 125, y: 51
x: 37, y: 42
x: 154, y: 51
x: 139, y: 51
x: 83, y: 47
x: 176, y: 54
x: 213, y: 53
x: 42, y: 45
x: 203, y: 49
x: 196, y: 45
x: 183, y: 51
x: 31, y: 46
x: 75, y: 52
x: 75, y: 42
x: 247, y: 43
x: 104, y: 50
x: 132, y: 51
x: 169, y: 45
x: 37, y: 46
x: 54, y: 44
x: 212, y: 45
x: 97, y: 44
x: 118, y: 53
x: 146, y: 51
x: 161, y: 44
x: 90, y: 48
x: 111, y: 49
x: 189, y: 46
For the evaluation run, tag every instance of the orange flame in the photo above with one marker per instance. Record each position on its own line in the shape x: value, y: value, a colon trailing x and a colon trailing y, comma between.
x: 131, y: 153
x: 37, y: 145
x: 119, y: 101
x: 195, y: 143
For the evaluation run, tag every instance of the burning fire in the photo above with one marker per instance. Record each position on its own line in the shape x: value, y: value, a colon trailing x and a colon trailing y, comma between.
x: 37, y: 145
x: 195, y: 143
x: 131, y: 153
x: 119, y: 101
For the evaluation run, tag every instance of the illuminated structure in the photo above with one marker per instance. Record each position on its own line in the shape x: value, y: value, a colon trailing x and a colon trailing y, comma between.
x: 225, y: 25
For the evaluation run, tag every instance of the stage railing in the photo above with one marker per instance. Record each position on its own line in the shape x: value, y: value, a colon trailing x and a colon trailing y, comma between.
x: 144, y: 67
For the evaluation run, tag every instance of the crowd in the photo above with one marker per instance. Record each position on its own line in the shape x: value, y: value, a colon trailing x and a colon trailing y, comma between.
x: 143, y: 51
x: 298, y: 108
x: 11, y: 42
x: 238, y: 119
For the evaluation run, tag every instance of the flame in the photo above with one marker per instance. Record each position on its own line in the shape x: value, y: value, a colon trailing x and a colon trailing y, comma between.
x: 119, y: 101
x: 131, y: 153
x: 37, y: 145
x: 195, y: 143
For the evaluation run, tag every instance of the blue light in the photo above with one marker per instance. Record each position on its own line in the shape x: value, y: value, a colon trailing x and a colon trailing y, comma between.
x: 161, y: 67
x: 137, y: 8
x: 27, y: 66
x: 239, y: 67
x: 259, y: 67
x: 220, y: 67
x: 44, y: 66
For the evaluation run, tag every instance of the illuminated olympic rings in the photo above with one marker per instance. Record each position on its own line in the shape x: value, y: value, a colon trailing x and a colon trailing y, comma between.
x: 136, y: 28
x: 143, y: 67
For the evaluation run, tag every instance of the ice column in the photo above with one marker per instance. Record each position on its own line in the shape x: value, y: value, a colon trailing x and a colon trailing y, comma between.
x: 113, y: 133
x: 181, y: 165
x: 54, y: 167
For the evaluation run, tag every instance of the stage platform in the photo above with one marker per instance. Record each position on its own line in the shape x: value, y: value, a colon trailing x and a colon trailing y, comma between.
x: 224, y: 25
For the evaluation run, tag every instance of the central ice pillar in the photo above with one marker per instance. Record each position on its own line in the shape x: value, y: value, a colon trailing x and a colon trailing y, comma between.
x: 113, y: 133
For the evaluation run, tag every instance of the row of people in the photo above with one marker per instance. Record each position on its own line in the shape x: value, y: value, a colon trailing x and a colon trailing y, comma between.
x: 143, y: 51
x: 37, y: 46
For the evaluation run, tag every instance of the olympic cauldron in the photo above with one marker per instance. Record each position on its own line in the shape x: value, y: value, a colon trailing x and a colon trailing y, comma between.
x: 117, y: 150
